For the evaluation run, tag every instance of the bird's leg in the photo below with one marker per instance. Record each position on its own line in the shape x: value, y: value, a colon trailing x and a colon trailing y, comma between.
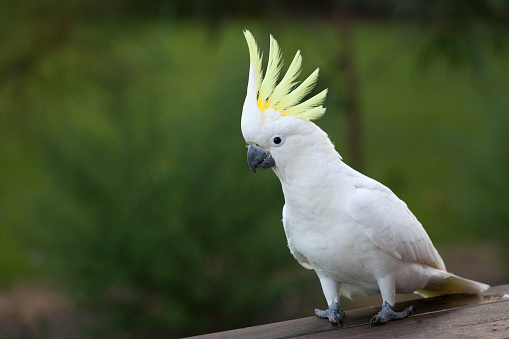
x: 387, y: 313
x: 387, y: 287
x: 331, y: 291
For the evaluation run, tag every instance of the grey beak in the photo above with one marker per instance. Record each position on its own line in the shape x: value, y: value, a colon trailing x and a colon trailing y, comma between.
x: 259, y: 158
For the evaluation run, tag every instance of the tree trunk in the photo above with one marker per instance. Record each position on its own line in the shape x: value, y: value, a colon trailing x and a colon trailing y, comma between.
x: 351, y: 86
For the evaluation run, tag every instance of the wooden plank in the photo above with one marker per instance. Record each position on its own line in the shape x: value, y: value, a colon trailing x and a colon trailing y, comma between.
x: 486, y: 315
x: 489, y: 320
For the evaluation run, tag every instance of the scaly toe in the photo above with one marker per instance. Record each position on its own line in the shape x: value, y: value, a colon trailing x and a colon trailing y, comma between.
x: 387, y: 313
x: 377, y: 320
x: 335, y: 314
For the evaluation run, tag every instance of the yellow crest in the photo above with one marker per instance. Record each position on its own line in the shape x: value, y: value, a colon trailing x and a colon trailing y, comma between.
x: 284, y: 97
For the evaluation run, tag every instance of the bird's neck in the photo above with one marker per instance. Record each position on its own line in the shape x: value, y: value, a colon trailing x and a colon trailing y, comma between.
x: 310, y: 175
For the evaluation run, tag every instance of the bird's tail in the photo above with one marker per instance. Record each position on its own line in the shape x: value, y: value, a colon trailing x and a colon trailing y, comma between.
x: 455, y: 284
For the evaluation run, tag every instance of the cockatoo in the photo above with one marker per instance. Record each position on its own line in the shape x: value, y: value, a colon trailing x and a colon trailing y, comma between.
x: 354, y: 232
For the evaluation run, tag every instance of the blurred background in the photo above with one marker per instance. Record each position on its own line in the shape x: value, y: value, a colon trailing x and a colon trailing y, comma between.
x: 127, y: 208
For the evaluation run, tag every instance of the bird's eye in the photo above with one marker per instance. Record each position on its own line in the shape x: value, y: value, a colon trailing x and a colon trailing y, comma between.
x: 277, y: 140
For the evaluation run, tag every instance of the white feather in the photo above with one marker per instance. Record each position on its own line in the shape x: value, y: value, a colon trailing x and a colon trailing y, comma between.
x: 350, y: 228
x: 357, y: 235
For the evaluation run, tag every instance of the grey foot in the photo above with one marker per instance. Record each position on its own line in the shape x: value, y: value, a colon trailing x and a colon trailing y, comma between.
x: 387, y: 313
x: 335, y: 314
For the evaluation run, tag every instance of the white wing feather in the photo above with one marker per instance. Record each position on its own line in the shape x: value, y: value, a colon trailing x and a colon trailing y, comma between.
x: 390, y: 224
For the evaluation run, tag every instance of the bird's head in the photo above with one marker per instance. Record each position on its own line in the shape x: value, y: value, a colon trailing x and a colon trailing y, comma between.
x: 275, y: 122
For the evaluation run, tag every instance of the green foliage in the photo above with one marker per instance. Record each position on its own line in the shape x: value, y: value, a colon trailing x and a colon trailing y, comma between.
x: 125, y: 176
x: 146, y: 187
x: 462, y: 33
x: 438, y: 130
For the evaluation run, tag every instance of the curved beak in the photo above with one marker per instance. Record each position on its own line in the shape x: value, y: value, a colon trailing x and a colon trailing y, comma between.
x: 259, y: 158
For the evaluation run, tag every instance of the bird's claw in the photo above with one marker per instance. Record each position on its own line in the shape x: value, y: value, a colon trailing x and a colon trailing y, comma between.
x: 334, y: 313
x: 387, y: 313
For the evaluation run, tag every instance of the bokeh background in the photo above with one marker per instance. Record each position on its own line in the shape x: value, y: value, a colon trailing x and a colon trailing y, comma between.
x: 127, y: 209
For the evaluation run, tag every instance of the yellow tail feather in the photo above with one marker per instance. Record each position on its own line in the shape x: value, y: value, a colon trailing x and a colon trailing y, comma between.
x: 455, y: 284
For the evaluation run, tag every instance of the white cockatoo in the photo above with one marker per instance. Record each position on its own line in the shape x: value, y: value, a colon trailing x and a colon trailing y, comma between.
x: 357, y: 235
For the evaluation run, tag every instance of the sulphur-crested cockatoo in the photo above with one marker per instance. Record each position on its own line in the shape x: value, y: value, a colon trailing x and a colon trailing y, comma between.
x: 357, y: 235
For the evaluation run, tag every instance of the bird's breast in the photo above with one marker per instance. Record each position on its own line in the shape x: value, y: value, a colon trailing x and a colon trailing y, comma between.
x: 330, y: 242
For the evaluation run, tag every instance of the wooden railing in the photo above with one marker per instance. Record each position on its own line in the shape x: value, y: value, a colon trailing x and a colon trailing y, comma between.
x: 450, y: 316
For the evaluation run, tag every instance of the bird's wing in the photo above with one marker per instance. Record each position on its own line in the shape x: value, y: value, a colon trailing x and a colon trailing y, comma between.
x: 390, y: 224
